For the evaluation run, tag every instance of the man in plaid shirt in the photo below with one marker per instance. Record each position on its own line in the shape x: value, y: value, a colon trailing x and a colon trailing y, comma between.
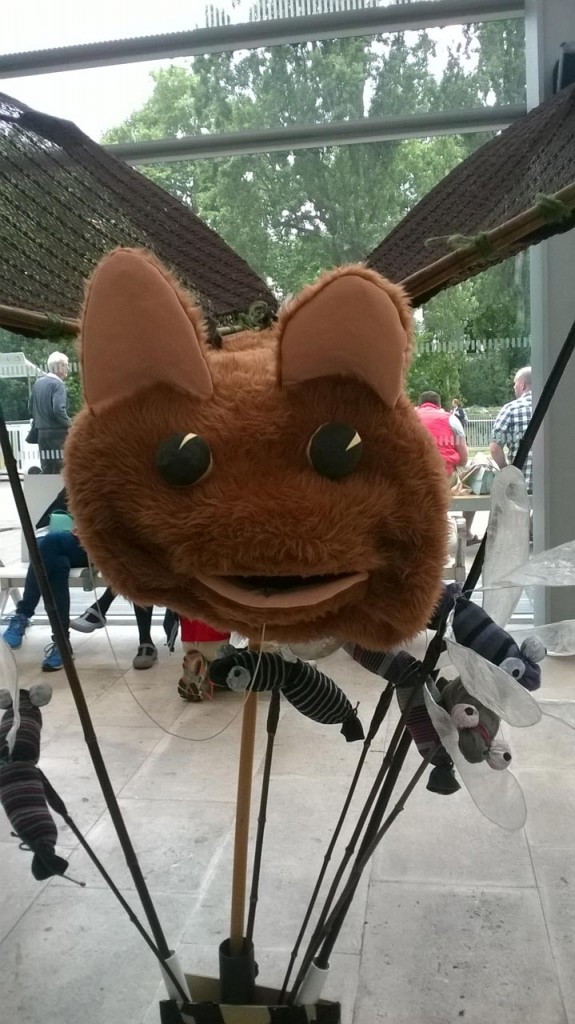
x: 511, y: 424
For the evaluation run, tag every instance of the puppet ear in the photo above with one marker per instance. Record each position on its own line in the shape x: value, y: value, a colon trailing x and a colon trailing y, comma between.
x: 351, y: 323
x: 5, y: 699
x: 138, y: 329
x: 40, y: 694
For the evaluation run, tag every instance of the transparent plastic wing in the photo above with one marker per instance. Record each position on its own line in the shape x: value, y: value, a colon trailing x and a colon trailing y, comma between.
x: 497, y: 794
x: 552, y: 568
x: 558, y: 637
x: 562, y: 710
x: 507, y: 542
x: 491, y: 685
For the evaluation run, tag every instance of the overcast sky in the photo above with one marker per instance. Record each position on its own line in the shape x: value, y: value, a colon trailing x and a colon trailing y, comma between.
x: 98, y: 98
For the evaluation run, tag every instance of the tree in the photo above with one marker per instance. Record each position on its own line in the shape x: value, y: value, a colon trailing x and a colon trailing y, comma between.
x: 293, y: 214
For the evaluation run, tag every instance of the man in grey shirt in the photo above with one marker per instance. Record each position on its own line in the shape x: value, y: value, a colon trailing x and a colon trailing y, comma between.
x: 48, y: 408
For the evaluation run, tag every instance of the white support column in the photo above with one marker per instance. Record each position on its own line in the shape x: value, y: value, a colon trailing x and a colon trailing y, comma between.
x: 548, y: 23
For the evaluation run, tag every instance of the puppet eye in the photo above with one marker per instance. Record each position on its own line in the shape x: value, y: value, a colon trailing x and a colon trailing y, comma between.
x: 335, y: 450
x: 498, y: 757
x: 183, y: 459
x: 514, y: 667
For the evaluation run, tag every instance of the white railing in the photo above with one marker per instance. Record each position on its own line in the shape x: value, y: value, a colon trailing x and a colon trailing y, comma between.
x: 478, y: 433
x: 26, y: 455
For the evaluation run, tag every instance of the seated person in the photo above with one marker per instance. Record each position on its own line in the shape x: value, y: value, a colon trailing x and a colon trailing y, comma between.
x: 61, y: 551
x: 95, y: 618
x: 449, y: 436
x: 445, y: 429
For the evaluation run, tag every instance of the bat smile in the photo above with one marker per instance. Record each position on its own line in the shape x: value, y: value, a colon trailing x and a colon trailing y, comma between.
x: 280, y: 591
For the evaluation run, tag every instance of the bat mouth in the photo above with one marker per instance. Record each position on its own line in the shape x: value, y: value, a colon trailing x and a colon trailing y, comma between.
x: 280, y: 591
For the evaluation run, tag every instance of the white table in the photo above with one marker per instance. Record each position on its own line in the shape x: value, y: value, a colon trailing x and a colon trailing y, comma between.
x: 470, y: 503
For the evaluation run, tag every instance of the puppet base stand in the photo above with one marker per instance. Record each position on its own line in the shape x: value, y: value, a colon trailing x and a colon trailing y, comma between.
x: 237, y: 973
x: 207, y: 1008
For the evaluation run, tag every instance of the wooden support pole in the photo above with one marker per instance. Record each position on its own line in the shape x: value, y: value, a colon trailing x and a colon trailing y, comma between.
x: 241, y: 840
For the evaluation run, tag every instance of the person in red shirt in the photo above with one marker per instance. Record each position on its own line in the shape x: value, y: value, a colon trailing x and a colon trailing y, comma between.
x: 446, y: 430
x: 448, y: 433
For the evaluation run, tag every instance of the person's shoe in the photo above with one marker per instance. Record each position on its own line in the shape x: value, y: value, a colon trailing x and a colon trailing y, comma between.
x: 146, y: 657
x: 88, y: 621
x: 52, y: 660
x: 16, y: 628
x: 195, y: 669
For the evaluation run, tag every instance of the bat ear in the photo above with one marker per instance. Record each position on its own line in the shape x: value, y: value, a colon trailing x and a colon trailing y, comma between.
x: 351, y: 323
x: 139, y: 329
x: 40, y: 694
x: 5, y: 699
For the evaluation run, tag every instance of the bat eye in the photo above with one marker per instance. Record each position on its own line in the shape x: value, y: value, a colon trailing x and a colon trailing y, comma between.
x: 335, y: 450
x: 183, y: 459
x: 514, y: 667
x: 238, y: 678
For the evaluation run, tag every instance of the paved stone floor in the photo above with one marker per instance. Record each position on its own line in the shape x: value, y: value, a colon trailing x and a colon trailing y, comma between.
x: 455, y: 919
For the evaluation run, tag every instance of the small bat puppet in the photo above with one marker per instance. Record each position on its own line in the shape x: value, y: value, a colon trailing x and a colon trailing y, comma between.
x: 24, y: 791
x: 477, y: 725
x: 474, y: 628
x: 311, y: 692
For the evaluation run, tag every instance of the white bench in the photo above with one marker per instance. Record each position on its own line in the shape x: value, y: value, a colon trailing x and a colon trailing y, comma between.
x: 13, y: 577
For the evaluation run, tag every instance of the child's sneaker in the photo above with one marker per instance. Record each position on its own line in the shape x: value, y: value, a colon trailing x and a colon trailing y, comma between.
x: 195, y: 670
x: 53, y: 659
x: 16, y: 628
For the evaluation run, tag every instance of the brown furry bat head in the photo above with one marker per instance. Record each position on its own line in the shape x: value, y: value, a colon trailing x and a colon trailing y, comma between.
x: 283, y: 480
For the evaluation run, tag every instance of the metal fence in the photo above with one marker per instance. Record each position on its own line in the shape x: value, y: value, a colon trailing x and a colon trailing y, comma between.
x: 27, y: 455
x: 478, y: 433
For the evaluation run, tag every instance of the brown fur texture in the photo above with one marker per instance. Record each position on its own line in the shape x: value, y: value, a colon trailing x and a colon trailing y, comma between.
x: 263, y: 510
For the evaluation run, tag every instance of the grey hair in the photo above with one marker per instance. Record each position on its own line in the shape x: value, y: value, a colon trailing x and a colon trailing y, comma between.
x: 57, y: 359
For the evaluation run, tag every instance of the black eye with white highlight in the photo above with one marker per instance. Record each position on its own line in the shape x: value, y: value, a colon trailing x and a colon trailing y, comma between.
x: 335, y: 450
x: 183, y: 459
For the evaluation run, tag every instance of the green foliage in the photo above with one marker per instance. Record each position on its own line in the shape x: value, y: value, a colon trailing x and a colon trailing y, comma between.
x: 293, y: 214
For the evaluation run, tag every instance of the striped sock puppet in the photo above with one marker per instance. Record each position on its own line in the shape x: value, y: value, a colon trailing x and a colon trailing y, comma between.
x: 310, y: 691
x: 402, y: 669
x: 22, y: 786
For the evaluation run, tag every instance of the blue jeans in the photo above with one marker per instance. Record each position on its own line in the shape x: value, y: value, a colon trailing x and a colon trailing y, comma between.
x: 60, y: 552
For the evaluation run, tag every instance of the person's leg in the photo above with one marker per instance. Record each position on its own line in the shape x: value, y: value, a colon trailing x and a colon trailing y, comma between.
x: 95, y: 616
x: 59, y: 552
x: 147, y: 652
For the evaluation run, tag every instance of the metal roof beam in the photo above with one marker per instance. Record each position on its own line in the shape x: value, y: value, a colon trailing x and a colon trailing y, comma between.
x: 310, y: 136
x: 250, y: 35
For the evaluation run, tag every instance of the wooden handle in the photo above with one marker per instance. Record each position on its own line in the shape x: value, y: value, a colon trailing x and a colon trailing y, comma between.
x: 241, y: 840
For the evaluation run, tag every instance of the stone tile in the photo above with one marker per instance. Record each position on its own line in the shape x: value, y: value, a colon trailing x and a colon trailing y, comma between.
x: 117, y: 743
x: 446, y: 839
x: 550, y: 797
x: 299, y: 824
x: 437, y: 954
x: 76, y: 956
x: 555, y: 872
x: 18, y: 887
x: 549, y: 744
x: 199, y: 762
x: 177, y: 844
x: 303, y: 747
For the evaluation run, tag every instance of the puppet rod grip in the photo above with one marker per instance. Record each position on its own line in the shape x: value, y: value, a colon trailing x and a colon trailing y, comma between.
x: 241, y: 840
